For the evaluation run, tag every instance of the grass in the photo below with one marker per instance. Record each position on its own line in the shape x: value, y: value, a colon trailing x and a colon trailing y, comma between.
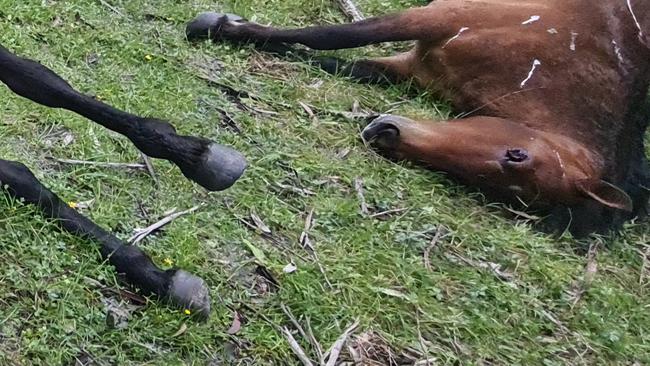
x: 133, y: 55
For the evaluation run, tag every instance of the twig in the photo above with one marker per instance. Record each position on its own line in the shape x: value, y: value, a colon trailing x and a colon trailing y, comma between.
x: 332, y: 354
x: 310, y: 337
x: 141, y: 234
x: 592, y: 265
x: 111, y: 7
x: 387, y: 212
x: 322, y: 270
x: 425, y: 349
x: 645, y: 265
x: 101, y: 164
x: 294, y: 321
x: 306, y: 243
x: 522, y: 214
x: 310, y: 112
x: 432, y: 245
x: 149, y: 166
x: 350, y: 9
x: 358, y: 186
x: 465, y: 114
x: 313, y: 341
x: 580, y: 287
x: 491, y: 266
x: 296, y: 348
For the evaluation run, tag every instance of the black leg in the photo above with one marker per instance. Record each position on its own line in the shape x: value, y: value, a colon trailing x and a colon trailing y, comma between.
x: 178, y: 287
x: 411, y: 24
x: 213, y: 166
x: 369, y: 71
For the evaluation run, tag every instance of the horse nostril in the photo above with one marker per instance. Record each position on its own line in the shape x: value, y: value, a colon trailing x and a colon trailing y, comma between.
x: 516, y: 155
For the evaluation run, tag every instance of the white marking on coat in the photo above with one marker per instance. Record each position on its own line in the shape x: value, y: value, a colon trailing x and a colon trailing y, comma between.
x: 617, y: 51
x: 536, y: 63
x: 559, y: 159
x: 629, y: 6
x: 552, y: 30
x: 574, y: 36
x: 515, y: 188
x: 456, y: 36
x: 531, y: 20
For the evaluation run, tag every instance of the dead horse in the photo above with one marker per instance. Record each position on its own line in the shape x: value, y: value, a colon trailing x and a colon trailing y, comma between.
x: 212, y: 166
x: 552, y: 94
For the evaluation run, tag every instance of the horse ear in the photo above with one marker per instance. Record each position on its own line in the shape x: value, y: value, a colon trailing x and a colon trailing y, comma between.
x: 605, y: 193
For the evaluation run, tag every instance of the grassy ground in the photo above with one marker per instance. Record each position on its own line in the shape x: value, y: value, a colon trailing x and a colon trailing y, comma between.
x: 544, y: 305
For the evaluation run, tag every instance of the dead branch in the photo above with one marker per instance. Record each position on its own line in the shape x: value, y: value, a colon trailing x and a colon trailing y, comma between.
x: 101, y: 164
x: 350, y: 9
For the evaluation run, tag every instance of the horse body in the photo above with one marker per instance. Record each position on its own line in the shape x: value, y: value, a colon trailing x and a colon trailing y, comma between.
x: 552, y: 94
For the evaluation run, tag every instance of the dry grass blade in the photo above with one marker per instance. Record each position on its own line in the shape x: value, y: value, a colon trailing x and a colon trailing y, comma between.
x: 141, y: 234
x: 358, y: 186
x: 261, y: 226
x: 150, y: 170
x: 304, y: 236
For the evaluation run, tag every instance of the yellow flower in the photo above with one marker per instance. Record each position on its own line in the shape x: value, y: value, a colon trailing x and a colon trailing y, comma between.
x: 188, y: 312
x: 148, y: 57
x: 168, y: 262
x: 73, y: 204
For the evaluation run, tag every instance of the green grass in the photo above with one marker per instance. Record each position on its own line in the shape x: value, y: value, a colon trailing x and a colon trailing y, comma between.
x: 51, y: 308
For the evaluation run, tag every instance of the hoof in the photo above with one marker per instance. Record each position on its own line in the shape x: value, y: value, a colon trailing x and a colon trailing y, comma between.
x: 218, y: 168
x: 206, y: 25
x: 191, y: 293
x: 383, y: 132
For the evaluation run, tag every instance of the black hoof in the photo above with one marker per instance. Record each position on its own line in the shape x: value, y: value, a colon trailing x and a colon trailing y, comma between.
x: 382, y: 132
x: 206, y: 25
x: 190, y: 293
x: 219, y: 168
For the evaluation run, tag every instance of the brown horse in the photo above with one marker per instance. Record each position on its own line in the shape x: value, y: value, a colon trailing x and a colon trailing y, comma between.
x: 552, y: 94
x: 213, y: 166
